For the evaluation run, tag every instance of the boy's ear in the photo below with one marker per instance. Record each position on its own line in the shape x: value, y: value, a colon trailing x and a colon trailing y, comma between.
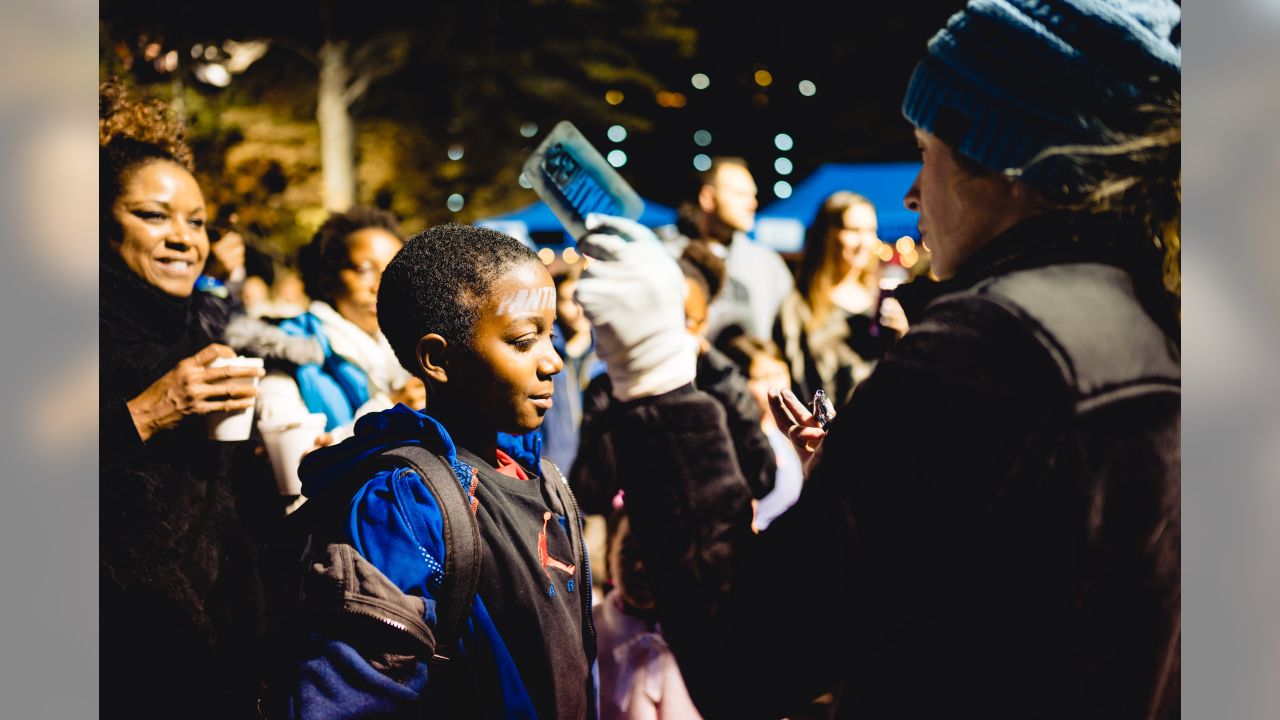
x: 431, y: 358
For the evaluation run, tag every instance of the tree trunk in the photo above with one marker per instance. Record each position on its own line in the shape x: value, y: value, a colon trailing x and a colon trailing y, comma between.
x: 337, y: 131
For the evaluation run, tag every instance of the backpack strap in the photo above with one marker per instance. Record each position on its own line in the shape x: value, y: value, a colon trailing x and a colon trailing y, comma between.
x: 461, y: 541
x: 555, y: 483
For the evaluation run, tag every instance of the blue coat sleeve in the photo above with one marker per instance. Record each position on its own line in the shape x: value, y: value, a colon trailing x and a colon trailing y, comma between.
x: 394, y: 523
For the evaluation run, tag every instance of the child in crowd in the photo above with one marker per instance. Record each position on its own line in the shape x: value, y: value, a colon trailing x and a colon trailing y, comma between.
x: 470, y: 312
x: 638, y: 674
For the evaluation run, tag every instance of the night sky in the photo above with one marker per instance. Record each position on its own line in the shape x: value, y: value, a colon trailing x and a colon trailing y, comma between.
x: 857, y: 55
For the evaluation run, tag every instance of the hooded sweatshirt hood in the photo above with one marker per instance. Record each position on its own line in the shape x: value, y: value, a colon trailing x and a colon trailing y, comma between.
x: 381, y: 431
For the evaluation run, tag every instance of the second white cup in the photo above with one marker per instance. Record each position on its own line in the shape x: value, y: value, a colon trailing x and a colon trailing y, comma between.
x: 287, y: 441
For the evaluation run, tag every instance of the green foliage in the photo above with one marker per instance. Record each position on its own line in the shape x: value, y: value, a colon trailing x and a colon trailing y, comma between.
x: 470, y: 76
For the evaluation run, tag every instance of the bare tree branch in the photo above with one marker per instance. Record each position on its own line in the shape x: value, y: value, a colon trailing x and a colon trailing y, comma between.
x: 303, y: 51
x: 356, y: 89
x: 375, y: 59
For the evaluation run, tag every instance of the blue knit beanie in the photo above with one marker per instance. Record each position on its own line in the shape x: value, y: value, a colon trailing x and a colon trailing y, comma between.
x: 1006, y: 79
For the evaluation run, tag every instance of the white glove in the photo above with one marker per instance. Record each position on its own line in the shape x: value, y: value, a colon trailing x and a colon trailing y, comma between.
x: 633, y: 293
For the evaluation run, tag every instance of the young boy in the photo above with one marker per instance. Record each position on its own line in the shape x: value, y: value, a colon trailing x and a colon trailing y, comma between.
x: 469, y: 311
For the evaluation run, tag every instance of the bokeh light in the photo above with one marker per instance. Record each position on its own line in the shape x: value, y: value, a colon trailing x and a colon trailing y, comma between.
x: 702, y: 162
x: 617, y: 133
x: 547, y: 255
x: 616, y: 158
x: 782, y: 166
x: 783, y: 142
x: 529, y: 129
x: 702, y: 138
x: 669, y: 99
x: 456, y: 151
x: 764, y: 78
x: 700, y: 81
x: 455, y: 202
x: 807, y: 88
x: 614, y: 97
x: 782, y: 189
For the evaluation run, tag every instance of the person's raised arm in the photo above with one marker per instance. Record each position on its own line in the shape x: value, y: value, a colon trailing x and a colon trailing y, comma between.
x: 731, y: 602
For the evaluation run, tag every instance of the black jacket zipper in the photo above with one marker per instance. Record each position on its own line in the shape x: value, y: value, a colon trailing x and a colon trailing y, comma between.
x: 587, y: 615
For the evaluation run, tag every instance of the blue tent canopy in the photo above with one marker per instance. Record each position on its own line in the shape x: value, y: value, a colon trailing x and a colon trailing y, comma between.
x: 883, y: 184
x: 538, y: 218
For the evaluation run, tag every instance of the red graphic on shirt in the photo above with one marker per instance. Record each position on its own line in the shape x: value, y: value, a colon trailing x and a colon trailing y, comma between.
x: 545, y: 556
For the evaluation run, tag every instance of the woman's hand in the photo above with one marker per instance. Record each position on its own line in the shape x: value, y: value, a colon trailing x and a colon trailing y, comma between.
x: 800, y: 425
x: 191, y: 388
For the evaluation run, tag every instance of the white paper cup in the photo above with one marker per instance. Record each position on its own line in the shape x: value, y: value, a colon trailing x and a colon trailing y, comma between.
x: 287, y: 441
x: 236, y: 425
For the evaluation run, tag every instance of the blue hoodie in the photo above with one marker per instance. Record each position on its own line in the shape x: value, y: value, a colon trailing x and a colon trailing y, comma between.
x: 395, y: 524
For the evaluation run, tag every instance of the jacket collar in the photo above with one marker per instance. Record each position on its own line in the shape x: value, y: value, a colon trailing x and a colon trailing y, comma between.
x: 1049, y: 239
x: 129, y: 301
x: 400, y: 425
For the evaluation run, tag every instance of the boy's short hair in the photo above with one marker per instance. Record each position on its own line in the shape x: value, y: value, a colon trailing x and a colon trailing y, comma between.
x: 435, y: 282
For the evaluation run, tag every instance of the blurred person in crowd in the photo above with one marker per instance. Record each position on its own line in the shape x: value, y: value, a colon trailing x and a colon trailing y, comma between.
x: 359, y: 373
x: 1023, y: 558
x: 721, y: 214
x: 288, y: 294
x: 577, y: 349
x: 762, y: 362
x: 259, y: 276
x: 594, y: 475
x: 639, y: 677
x: 834, y: 326
x: 179, y: 592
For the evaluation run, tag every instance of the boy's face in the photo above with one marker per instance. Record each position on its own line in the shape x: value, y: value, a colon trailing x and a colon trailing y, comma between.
x: 506, y: 377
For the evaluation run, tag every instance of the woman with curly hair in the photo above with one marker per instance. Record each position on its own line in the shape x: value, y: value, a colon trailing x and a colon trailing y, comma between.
x: 180, y: 602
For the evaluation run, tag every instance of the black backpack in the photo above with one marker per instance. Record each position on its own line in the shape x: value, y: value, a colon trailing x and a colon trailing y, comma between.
x: 314, y: 527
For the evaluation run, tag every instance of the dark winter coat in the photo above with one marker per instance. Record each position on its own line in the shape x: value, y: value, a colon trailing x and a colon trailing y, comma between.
x: 594, y: 475
x: 180, y: 596
x: 991, y: 528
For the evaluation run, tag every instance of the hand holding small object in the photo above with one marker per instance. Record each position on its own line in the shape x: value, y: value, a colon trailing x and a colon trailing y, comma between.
x: 799, y: 423
x: 193, y: 388
x: 633, y: 293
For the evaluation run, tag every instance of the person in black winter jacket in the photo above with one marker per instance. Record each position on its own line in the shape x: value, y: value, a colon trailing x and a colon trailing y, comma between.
x: 594, y: 474
x: 180, y: 602
x: 1021, y: 557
